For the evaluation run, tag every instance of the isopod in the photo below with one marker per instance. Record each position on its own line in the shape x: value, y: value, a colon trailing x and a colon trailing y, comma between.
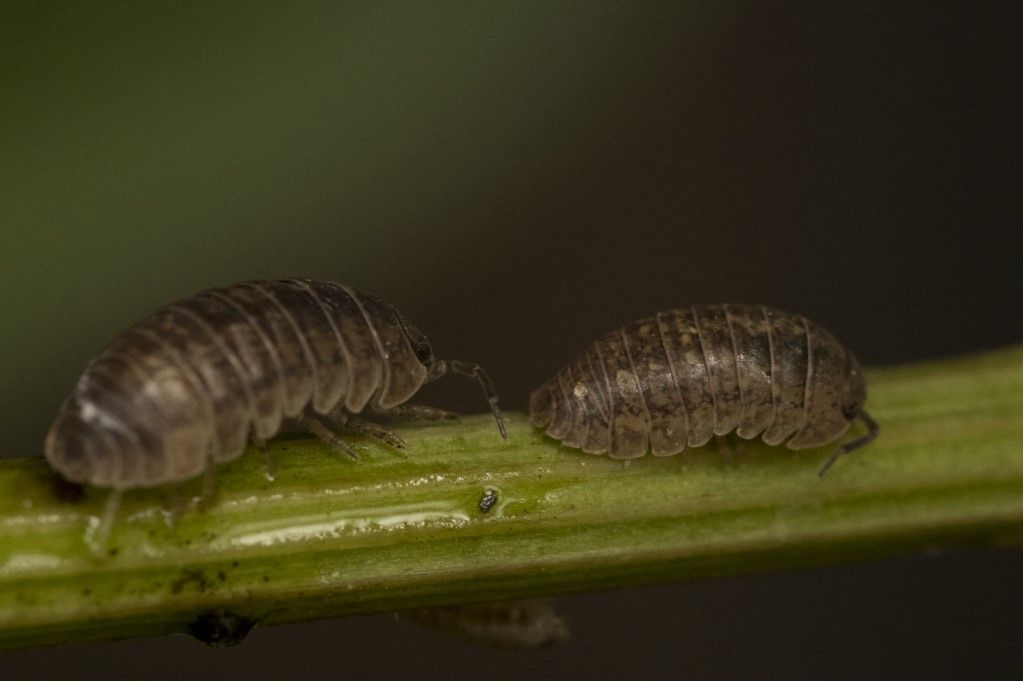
x: 186, y: 388
x: 672, y: 381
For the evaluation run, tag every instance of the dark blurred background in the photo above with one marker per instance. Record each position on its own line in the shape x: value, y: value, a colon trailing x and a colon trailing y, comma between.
x: 519, y: 178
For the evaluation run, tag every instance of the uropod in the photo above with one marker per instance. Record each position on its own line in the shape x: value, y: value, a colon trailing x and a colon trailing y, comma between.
x: 674, y: 380
x: 188, y: 387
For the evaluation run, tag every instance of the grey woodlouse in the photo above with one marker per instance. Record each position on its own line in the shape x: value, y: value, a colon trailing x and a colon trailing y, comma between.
x: 185, y: 388
x: 674, y: 380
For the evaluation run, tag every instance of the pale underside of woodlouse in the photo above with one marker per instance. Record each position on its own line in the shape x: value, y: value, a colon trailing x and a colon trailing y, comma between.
x: 674, y: 380
x: 190, y: 386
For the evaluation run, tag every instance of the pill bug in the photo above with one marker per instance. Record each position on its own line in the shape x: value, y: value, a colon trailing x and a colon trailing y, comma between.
x: 672, y: 381
x: 186, y: 388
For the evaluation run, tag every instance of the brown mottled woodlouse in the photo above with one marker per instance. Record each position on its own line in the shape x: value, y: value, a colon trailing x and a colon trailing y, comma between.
x: 672, y: 381
x: 184, y: 389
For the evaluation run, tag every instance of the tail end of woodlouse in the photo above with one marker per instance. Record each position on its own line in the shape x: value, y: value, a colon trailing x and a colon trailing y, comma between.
x: 477, y: 372
x: 853, y: 444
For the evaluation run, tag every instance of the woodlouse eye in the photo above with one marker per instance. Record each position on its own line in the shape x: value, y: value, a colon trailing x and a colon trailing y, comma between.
x: 418, y: 341
x: 424, y: 353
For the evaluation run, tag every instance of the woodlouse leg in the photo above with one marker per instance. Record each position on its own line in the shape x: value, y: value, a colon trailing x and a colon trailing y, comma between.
x: 209, y: 486
x: 268, y: 461
x: 98, y: 542
x: 722, y: 445
x: 345, y: 420
x: 853, y: 444
x: 331, y: 439
x: 378, y: 432
x: 725, y: 448
x: 730, y: 446
x: 177, y: 504
x: 421, y: 412
x: 339, y: 417
x: 268, y: 466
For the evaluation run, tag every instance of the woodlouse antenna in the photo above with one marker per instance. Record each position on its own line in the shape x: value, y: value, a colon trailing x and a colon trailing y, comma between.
x: 469, y: 369
x: 853, y: 444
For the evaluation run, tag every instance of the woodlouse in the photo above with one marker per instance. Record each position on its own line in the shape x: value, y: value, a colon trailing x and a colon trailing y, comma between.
x: 185, y: 388
x: 674, y: 380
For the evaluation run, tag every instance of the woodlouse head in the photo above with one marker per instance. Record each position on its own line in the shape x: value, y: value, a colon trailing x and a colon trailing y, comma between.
x: 419, y: 343
x: 855, y: 390
x: 542, y: 409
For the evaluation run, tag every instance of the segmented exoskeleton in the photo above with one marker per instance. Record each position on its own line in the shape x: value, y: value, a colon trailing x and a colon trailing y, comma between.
x: 189, y: 386
x: 674, y: 380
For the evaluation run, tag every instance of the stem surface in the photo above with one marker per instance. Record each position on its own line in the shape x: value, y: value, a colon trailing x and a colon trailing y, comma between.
x: 330, y: 537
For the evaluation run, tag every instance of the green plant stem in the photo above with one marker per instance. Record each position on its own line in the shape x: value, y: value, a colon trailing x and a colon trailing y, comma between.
x: 330, y: 537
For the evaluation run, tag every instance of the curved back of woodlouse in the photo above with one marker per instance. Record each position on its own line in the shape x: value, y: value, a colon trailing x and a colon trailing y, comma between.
x: 674, y: 380
x: 189, y: 386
